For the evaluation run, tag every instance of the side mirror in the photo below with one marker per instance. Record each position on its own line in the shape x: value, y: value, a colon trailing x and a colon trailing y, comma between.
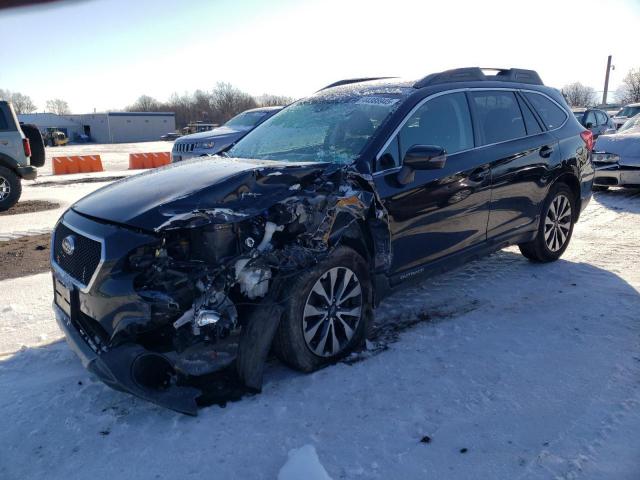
x: 589, y: 125
x: 425, y: 157
x: 421, y: 157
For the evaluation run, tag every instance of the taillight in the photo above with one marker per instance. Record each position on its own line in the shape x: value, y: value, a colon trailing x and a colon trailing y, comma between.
x: 587, y: 137
x: 27, y: 147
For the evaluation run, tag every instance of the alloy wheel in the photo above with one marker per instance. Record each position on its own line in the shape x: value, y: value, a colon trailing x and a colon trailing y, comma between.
x: 5, y: 188
x: 332, y: 312
x: 557, y: 223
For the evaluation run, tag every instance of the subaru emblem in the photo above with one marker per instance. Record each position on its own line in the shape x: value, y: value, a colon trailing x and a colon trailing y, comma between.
x: 69, y: 244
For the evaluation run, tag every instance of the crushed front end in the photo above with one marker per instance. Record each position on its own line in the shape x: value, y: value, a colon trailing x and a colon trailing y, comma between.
x: 153, y: 312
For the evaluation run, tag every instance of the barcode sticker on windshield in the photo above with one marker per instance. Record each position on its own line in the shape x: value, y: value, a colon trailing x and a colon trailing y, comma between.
x: 375, y: 100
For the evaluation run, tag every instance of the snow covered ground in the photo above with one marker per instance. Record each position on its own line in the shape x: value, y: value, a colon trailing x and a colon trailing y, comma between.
x: 500, y: 370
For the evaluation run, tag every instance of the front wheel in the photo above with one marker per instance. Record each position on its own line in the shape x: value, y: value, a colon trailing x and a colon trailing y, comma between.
x: 556, y: 226
x: 327, y: 314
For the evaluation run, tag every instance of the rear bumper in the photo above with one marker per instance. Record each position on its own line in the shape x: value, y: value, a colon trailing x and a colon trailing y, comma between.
x: 28, y: 172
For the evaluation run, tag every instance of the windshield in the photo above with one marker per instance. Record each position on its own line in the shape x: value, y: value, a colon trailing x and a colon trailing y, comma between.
x: 579, y: 116
x: 629, y: 124
x: 245, y: 119
x: 331, y: 128
x: 628, y: 112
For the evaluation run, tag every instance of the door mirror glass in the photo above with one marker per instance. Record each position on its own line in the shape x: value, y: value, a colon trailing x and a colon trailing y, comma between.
x: 425, y: 157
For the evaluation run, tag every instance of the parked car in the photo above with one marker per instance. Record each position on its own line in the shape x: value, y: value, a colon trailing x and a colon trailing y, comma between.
x: 214, y: 141
x: 617, y: 157
x: 595, y: 120
x: 170, y: 136
x: 626, y: 113
x: 293, y: 236
x: 15, y: 156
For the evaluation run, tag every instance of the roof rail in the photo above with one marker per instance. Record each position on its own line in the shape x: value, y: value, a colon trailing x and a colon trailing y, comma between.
x: 347, y: 81
x: 474, y: 74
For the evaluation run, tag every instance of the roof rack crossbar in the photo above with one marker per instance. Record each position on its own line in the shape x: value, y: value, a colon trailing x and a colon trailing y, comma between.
x: 474, y: 74
x: 348, y: 81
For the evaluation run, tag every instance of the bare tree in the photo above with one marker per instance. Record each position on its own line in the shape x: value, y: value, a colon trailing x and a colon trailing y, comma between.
x: 145, y: 103
x: 629, y: 91
x: 21, y: 103
x: 216, y: 106
x: 268, y: 100
x: 58, y: 106
x: 228, y: 101
x: 579, y: 95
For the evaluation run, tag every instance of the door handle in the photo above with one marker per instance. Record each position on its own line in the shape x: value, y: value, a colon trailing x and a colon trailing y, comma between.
x: 546, y: 151
x: 479, y: 174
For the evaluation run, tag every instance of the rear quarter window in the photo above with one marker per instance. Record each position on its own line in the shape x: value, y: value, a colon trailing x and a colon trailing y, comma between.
x: 552, y: 115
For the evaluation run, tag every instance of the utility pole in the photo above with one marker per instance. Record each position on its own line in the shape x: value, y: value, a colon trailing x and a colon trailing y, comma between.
x: 606, y: 82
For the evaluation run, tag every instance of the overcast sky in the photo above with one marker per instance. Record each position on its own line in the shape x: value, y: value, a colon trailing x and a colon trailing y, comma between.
x: 103, y: 54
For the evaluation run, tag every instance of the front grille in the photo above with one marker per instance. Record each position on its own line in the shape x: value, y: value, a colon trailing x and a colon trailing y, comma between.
x: 184, y: 147
x: 82, y: 263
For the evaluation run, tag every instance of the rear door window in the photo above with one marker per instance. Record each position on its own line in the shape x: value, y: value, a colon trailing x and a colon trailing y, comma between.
x: 497, y: 116
x: 443, y: 121
x: 552, y: 115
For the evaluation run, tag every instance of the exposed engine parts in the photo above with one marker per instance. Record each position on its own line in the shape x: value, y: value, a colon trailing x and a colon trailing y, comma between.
x: 209, y: 261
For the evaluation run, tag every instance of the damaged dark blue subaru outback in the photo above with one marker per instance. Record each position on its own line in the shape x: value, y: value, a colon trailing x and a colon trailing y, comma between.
x: 288, y: 240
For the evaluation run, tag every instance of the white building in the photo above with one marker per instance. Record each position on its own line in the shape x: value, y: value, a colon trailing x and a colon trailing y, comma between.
x: 45, y: 121
x: 109, y: 127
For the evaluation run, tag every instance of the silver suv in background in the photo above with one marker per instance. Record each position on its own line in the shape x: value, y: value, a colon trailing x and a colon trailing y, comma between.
x: 216, y: 140
x: 627, y: 112
x: 15, y: 161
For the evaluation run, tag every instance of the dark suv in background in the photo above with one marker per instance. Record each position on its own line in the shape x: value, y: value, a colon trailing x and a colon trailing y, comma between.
x: 595, y: 120
x: 291, y: 238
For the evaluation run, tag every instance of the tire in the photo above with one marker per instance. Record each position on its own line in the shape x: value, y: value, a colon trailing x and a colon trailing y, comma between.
x: 10, y: 189
x: 599, y: 188
x: 307, y: 353
x: 37, y: 144
x: 554, y: 232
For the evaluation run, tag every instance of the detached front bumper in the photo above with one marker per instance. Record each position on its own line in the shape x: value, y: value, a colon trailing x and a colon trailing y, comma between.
x: 131, y: 368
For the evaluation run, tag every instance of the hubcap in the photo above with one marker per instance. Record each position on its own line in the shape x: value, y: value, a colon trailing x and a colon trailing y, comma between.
x: 332, y: 312
x: 5, y: 188
x: 557, y: 223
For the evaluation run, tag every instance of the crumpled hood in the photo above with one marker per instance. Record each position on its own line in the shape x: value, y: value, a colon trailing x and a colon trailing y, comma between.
x: 210, y: 134
x: 626, y: 145
x: 149, y: 200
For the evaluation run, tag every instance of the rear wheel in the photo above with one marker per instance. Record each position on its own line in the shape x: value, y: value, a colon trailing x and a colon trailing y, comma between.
x: 328, y: 313
x: 10, y: 189
x: 556, y: 226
